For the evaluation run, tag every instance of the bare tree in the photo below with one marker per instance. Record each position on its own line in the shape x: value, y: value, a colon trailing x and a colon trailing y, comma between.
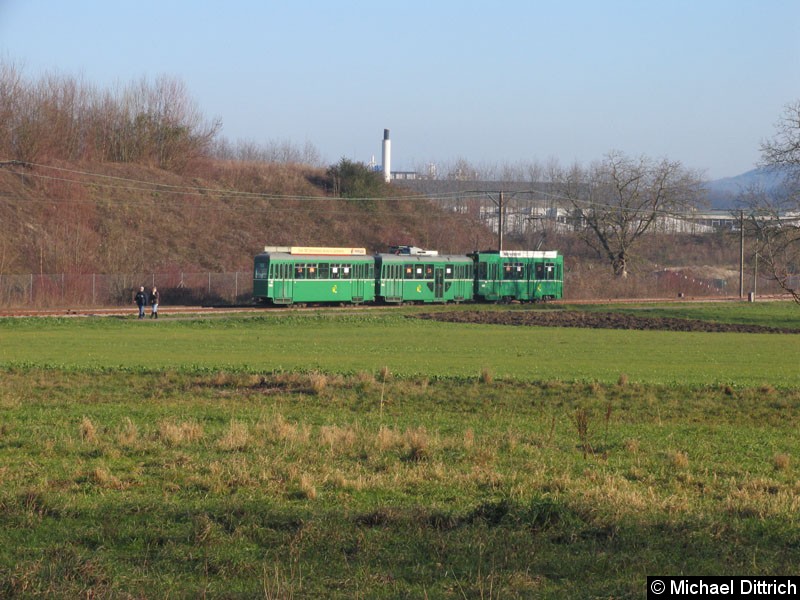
x: 616, y: 201
x: 775, y: 214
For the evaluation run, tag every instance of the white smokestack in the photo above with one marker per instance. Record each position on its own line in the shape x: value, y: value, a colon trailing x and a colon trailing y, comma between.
x: 387, y: 157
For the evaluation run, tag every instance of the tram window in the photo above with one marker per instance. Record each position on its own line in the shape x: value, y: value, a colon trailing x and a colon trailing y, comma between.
x: 324, y: 270
x: 428, y: 271
x: 539, y: 271
x: 550, y: 269
x: 345, y: 271
x: 419, y: 272
x: 409, y: 271
x: 311, y: 272
x: 448, y: 272
x: 300, y: 271
x: 335, y: 271
x: 481, y: 270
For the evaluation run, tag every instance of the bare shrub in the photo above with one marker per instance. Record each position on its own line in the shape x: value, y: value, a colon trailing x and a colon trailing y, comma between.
x: 581, y: 420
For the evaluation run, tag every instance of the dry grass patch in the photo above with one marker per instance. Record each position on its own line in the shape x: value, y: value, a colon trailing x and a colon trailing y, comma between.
x: 632, y: 446
x: 417, y: 444
x: 388, y: 439
x: 781, y: 462
x: 278, y: 429
x: 337, y: 438
x: 87, y: 431
x: 307, y: 488
x: 236, y: 437
x: 177, y: 434
x: 317, y: 382
x: 128, y: 433
x: 102, y: 477
x: 679, y: 460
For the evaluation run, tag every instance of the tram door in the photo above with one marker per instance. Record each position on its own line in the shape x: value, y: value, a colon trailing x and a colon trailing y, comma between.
x: 438, y: 284
x: 282, y: 287
x: 357, y: 282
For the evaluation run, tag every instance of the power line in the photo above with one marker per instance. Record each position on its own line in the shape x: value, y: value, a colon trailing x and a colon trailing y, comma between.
x: 138, y: 185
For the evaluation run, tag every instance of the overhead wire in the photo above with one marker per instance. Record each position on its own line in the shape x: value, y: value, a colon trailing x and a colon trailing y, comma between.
x: 138, y: 185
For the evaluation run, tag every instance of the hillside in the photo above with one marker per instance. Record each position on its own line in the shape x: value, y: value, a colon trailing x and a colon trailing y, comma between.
x: 122, y: 217
x: 724, y: 193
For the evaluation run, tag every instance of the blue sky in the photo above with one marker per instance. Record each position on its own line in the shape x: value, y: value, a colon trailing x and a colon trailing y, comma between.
x: 493, y: 83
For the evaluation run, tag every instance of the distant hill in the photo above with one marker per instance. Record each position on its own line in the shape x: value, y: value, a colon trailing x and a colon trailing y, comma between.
x: 723, y: 193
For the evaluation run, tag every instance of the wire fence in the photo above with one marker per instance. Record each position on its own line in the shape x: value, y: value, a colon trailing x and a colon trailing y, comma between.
x: 44, y: 291
x: 68, y: 289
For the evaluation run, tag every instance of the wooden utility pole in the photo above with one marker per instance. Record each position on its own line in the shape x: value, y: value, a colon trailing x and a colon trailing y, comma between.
x: 741, y: 254
x: 500, y: 223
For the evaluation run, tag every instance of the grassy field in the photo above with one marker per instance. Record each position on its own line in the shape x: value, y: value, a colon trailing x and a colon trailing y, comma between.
x: 351, y: 342
x: 308, y: 456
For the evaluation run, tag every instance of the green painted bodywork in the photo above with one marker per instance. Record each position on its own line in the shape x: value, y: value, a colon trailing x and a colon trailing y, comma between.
x: 282, y: 278
x: 427, y: 279
x: 525, y: 276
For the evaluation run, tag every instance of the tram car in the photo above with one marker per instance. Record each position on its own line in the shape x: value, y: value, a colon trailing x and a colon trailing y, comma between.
x: 409, y: 274
x: 521, y: 275
x: 301, y: 275
x: 286, y: 275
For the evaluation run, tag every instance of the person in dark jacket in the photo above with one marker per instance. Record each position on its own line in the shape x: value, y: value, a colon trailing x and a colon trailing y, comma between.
x: 155, y: 298
x: 141, y: 301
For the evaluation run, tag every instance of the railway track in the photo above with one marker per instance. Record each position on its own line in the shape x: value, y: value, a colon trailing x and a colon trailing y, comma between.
x: 232, y: 309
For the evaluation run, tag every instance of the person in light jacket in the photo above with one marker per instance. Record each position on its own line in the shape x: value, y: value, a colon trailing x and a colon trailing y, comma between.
x: 155, y: 298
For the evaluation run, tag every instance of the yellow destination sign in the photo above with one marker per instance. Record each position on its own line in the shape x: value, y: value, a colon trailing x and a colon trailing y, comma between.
x: 328, y: 251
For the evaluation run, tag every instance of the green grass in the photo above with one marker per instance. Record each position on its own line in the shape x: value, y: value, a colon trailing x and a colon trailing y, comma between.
x: 347, y: 343
x: 342, y: 455
x: 163, y: 483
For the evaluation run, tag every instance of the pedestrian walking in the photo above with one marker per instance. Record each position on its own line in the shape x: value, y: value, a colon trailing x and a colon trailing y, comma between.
x: 155, y: 298
x: 141, y: 301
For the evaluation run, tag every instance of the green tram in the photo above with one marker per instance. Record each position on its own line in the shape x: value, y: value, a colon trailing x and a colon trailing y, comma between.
x: 522, y: 275
x: 299, y: 275
x: 424, y: 278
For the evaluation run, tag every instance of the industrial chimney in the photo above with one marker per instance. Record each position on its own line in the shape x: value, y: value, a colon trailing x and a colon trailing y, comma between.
x: 387, y: 157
